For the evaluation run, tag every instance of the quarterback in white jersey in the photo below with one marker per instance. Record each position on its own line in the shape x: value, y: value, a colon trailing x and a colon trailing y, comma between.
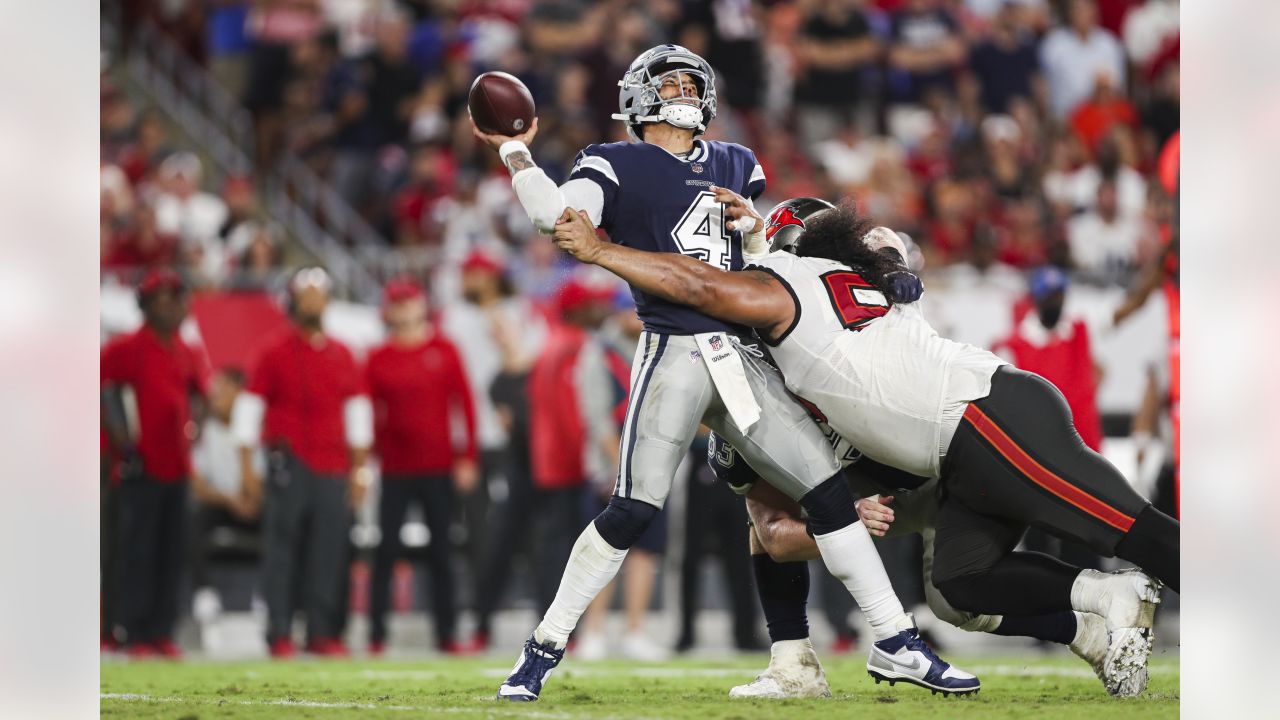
x: 1000, y: 440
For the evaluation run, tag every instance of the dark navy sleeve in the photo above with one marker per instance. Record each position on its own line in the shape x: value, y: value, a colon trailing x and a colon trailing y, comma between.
x: 755, y: 178
x: 595, y: 163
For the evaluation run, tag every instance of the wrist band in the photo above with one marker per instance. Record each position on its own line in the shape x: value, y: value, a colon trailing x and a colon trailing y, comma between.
x: 511, y: 146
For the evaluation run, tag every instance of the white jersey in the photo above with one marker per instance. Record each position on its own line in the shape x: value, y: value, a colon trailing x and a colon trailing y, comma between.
x: 879, y: 373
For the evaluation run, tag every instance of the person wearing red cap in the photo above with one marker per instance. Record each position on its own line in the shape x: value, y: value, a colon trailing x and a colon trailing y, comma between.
x: 420, y: 394
x: 307, y: 406
x: 150, y: 379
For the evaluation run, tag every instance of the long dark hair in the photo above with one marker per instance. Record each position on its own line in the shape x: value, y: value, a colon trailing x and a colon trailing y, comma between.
x: 837, y: 235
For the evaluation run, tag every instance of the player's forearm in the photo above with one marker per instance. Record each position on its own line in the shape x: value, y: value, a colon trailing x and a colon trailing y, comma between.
x: 670, y: 276
x: 543, y: 201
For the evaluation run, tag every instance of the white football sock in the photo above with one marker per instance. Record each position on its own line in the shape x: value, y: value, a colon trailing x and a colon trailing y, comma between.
x: 592, y: 564
x: 851, y: 556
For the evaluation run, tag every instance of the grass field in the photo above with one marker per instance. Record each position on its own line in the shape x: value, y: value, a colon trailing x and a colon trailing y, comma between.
x: 1052, y: 687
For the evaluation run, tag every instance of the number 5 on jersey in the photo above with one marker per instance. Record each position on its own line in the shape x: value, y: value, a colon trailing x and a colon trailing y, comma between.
x: 701, y: 232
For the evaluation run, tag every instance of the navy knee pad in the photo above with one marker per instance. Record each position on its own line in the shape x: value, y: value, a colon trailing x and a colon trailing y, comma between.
x: 830, y: 506
x: 624, y: 520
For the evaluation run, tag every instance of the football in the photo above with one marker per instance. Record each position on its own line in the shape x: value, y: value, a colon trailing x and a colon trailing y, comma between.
x: 500, y: 104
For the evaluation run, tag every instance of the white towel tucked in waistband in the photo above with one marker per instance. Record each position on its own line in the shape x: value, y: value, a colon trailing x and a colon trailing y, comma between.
x: 730, y: 378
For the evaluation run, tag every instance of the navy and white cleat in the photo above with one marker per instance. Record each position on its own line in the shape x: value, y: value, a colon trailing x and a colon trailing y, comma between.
x: 906, y: 658
x: 532, y: 669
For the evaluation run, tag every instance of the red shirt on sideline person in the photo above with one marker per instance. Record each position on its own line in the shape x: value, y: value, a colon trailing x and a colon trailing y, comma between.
x: 419, y: 390
x: 1059, y: 350
x: 571, y: 405
x: 305, y: 384
x: 164, y: 373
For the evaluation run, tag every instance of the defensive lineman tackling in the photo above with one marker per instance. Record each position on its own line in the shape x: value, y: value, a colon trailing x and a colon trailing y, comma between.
x: 1001, y: 440
x: 664, y: 193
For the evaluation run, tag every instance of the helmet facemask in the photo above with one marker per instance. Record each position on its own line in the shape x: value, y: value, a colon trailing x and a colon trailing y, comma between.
x: 641, y: 98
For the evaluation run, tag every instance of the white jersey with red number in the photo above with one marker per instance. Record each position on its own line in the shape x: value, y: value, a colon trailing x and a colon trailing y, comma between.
x: 878, y: 372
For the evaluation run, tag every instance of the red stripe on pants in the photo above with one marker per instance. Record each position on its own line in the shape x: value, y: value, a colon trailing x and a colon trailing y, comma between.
x: 1040, y: 475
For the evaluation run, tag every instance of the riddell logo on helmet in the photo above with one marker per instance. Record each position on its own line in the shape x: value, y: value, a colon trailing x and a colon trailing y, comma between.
x: 784, y: 217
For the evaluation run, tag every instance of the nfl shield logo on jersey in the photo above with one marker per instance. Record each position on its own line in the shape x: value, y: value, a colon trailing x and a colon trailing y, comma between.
x: 715, y: 342
x: 696, y: 168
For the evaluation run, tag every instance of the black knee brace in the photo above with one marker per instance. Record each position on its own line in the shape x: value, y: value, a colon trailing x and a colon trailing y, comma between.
x: 830, y: 506
x: 624, y: 520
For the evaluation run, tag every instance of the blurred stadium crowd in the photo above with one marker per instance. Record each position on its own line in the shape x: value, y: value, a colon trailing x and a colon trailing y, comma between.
x: 1022, y: 144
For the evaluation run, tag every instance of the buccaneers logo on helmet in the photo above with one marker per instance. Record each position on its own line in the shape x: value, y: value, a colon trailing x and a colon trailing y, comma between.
x: 781, y: 218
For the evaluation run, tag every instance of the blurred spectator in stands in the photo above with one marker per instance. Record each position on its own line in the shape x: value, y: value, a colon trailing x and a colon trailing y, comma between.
x: 541, y: 269
x: 1105, y: 243
x: 834, y: 51
x: 1161, y: 114
x: 1150, y: 32
x: 1009, y: 175
x: 222, y: 500
x: 713, y: 522
x: 489, y: 315
x: 150, y: 380
x: 1022, y: 237
x: 257, y: 250
x: 890, y: 195
x: 1094, y: 119
x: 1006, y: 63
x: 306, y: 404
x: 1073, y: 57
x: 196, y: 217
x: 424, y: 423
x: 558, y: 29
x: 1059, y: 349
x: 118, y: 201
x: 241, y: 202
x: 140, y: 244
x: 733, y: 43
x: 430, y: 180
x: 150, y: 146
x: 1110, y: 164
x: 117, y: 121
x: 465, y: 224
x: 609, y: 366
x: 274, y: 27
x: 227, y: 34
x: 990, y: 288
x: 925, y: 53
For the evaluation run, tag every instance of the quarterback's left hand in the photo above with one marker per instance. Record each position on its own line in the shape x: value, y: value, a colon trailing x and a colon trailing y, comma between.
x: 742, y: 216
x: 904, y: 286
x: 576, y: 235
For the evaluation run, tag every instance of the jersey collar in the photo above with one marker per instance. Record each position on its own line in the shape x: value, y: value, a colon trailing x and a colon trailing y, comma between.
x: 698, y: 153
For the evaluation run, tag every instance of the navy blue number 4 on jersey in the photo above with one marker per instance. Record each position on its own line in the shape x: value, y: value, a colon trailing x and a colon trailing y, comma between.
x: 657, y: 201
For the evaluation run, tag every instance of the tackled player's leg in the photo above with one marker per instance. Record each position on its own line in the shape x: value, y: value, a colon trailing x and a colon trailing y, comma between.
x: 669, y: 396
x: 787, y: 448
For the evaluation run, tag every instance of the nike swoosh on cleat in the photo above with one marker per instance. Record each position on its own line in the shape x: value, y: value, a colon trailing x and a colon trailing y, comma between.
x: 913, y: 665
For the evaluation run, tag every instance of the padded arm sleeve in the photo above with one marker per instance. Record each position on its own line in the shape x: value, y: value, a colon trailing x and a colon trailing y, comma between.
x: 544, y: 201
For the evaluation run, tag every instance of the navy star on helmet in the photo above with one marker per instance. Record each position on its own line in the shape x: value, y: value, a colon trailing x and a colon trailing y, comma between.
x: 640, y: 102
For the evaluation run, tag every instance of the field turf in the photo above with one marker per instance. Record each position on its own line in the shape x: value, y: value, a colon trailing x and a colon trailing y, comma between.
x: 1023, y: 687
